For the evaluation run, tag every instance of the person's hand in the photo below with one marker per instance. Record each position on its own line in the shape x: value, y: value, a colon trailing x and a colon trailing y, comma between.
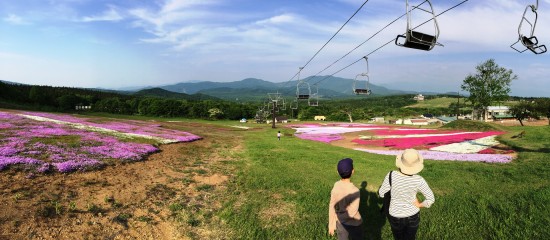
x: 331, y: 231
x: 417, y: 203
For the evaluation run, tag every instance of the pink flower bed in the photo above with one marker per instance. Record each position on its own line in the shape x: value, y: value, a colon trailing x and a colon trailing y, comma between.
x: 397, y: 139
x: 47, y: 146
x: 435, y: 155
x: 326, y: 138
x: 425, y: 142
x: 398, y: 131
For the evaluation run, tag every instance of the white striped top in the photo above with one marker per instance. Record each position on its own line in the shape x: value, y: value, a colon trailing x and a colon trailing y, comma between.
x: 403, y: 193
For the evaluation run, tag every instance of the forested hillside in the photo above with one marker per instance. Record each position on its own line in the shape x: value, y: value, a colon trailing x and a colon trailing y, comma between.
x: 162, y: 103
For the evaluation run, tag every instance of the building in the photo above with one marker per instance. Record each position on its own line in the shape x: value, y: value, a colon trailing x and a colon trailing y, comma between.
x: 319, y: 118
x: 281, y: 119
x: 377, y: 119
x: 493, y: 113
x: 419, y: 97
x: 445, y: 120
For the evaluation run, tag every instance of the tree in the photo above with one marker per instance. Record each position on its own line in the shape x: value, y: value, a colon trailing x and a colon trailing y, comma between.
x: 215, y: 113
x: 522, y: 111
x: 490, y: 84
x: 542, y: 106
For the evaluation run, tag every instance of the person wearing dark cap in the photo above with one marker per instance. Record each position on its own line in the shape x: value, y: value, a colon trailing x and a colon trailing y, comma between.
x: 343, y: 210
x: 404, y: 210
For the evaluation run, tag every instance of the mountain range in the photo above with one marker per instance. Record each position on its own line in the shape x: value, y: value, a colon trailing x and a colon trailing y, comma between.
x: 255, y: 89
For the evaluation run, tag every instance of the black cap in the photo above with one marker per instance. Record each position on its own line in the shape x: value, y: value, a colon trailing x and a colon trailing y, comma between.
x: 345, y: 167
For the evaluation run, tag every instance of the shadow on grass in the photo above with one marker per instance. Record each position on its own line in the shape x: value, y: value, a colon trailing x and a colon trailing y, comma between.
x: 539, y: 150
x: 373, y: 219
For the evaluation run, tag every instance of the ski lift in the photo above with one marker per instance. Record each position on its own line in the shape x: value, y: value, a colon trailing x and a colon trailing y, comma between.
x: 294, y: 104
x: 303, y: 90
x: 282, y: 104
x: 314, y: 100
x: 360, y: 77
x: 415, y: 39
x: 530, y: 42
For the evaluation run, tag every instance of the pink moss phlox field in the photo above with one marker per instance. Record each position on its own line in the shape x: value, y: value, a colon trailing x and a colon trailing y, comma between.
x: 128, y: 126
x: 435, y: 155
x: 403, y: 131
x: 326, y: 138
x: 425, y: 142
x: 329, y: 132
x: 47, y: 146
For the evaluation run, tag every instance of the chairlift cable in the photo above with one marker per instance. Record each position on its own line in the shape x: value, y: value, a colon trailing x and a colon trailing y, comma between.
x: 358, y: 46
x: 318, y: 51
x: 326, y: 77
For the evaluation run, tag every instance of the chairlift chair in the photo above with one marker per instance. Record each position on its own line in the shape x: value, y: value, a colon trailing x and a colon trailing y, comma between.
x: 303, y: 91
x: 282, y: 103
x: 314, y: 99
x: 362, y: 91
x: 294, y: 104
x: 416, y: 39
x: 530, y: 42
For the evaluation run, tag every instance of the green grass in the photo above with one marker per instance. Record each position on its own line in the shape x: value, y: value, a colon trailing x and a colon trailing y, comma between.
x: 442, y: 102
x: 283, y: 189
x: 473, y: 126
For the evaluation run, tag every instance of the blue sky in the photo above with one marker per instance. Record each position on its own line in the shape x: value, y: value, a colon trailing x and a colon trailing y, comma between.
x: 116, y: 44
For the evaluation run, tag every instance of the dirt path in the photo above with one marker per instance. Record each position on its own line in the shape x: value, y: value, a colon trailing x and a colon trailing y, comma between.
x: 171, y: 195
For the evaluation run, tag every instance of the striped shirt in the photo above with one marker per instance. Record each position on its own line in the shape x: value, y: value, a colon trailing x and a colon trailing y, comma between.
x: 403, y: 193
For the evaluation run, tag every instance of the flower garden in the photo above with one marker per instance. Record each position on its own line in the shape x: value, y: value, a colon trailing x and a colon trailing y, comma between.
x: 434, y: 144
x: 43, y: 142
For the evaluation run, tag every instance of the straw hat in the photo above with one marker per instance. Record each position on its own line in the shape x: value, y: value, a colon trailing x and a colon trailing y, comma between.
x: 410, y: 162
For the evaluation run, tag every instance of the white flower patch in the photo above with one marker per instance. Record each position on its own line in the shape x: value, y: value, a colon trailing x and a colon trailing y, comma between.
x: 241, y: 127
x: 472, y: 146
x: 99, y: 129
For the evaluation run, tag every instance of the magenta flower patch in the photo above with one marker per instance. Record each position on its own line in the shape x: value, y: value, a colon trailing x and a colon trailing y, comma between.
x: 444, y: 145
x: 48, y: 146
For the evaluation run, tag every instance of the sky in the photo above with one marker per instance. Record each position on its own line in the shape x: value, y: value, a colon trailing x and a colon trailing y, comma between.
x: 130, y: 43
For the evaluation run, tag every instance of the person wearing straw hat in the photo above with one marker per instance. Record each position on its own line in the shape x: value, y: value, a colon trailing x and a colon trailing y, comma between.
x: 404, y: 209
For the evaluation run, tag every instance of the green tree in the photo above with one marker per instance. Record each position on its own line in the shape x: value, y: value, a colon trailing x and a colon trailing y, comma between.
x: 69, y: 102
x: 522, y: 111
x: 542, y: 106
x: 215, y: 113
x: 490, y: 84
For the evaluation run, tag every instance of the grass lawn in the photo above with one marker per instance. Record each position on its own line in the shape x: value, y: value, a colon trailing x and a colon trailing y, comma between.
x: 442, y: 102
x: 283, y: 187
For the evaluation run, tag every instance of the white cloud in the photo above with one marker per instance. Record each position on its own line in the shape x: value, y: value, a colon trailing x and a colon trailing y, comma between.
x: 14, y: 19
x: 109, y: 15
x: 279, y: 19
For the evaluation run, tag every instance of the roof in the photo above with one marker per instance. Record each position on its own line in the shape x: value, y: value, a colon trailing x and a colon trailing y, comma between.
x: 493, y: 108
x: 446, y: 119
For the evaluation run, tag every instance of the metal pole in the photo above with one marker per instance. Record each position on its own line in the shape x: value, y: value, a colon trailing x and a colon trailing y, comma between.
x: 273, y: 117
x: 458, y: 105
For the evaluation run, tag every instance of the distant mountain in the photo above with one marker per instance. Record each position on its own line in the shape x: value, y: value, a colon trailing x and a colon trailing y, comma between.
x: 162, y: 93
x: 8, y: 82
x: 252, y: 89
x: 193, y: 87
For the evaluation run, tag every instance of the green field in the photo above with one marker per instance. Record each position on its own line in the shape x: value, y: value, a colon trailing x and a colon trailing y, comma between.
x: 282, y: 191
x: 441, y: 102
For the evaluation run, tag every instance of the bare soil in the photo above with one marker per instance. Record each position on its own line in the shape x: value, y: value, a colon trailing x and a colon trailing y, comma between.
x: 173, y: 194
x: 526, y: 122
